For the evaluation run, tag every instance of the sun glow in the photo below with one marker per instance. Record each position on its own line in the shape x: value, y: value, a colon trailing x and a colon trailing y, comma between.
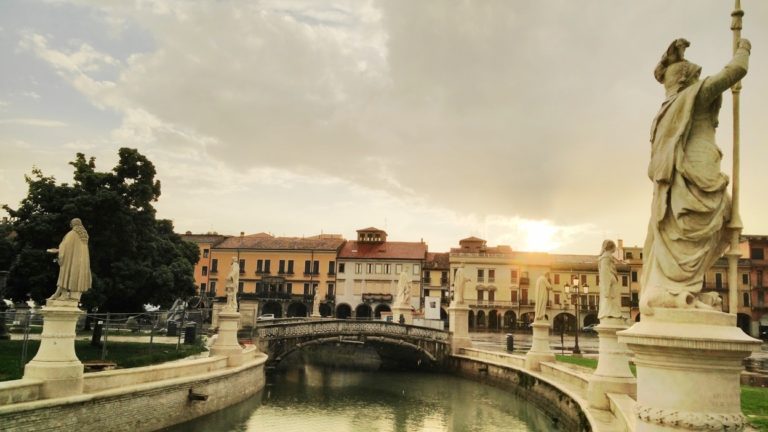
x: 539, y: 236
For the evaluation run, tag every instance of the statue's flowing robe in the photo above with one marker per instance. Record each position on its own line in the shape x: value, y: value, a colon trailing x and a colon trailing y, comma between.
x: 610, y: 297
x: 404, y: 290
x: 74, y: 263
x: 542, y: 297
x: 691, y: 207
x: 459, y: 282
x: 232, y: 284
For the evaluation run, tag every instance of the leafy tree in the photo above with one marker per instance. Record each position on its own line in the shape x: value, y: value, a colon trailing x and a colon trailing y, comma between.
x: 135, y: 258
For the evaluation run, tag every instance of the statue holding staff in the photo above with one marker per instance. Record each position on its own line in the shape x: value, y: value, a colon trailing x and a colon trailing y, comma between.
x: 74, y: 264
x: 688, y: 229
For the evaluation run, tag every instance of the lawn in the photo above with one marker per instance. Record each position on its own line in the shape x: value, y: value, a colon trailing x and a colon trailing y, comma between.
x: 125, y: 354
x: 754, y: 400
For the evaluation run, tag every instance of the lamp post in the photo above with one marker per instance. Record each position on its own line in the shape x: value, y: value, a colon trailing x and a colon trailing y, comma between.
x: 573, y: 289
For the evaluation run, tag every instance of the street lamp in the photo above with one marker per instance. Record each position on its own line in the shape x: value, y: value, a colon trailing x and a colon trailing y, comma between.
x: 573, y: 289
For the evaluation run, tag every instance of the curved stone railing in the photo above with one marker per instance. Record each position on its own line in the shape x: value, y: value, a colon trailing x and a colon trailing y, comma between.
x: 346, y: 327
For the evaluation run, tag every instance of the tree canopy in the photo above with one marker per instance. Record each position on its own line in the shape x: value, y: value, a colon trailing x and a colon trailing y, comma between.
x: 135, y: 258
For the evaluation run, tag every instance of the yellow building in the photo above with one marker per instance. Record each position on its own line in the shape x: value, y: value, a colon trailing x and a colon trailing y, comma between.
x: 436, y: 282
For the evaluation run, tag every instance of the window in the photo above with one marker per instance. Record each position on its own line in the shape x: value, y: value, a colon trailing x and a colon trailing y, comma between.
x: 624, y: 280
x: 513, y: 296
x: 480, y: 295
x: 387, y: 268
x: 306, y: 289
x: 746, y: 299
x: 480, y: 275
x: 358, y: 268
x: 202, y: 288
x: 281, y: 267
x: 214, y: 265
x: 756, y: 253
x: 240, y: 287
x: 242, y: 266
x: 205, y: 270
x: 378, y: 268
x: 491, y: 295
x: 330, y: 289
x: 212, y: 288
x: 289, y: 288
x: 759, y: 278
x: 513, y: 276
x: 628, y: 255
x: 718, y: 280
x: 416, y: 269
x: 290, y: 266
x: 557, y: 279
x: 341, y: 267
x: 491, y: 275
x: 369, y: 268
x: 583, y: 280
x: 259, y: 266
x: 266, y: 266
x: 398, y: 268
x: 745, y: 278
x: 597, y: 279
x: 316, y: 267
x: 331, y: 267
x: 205, y: 253
x: 524, y: 296
x: 634, y: 276
x: 307, y: 265
x: 557, y: 298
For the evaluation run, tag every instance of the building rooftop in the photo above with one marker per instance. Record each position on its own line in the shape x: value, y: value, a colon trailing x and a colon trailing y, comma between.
x: 385, y: 250
x: 437, y: 261
x: 211, y: 238
x: 268, y: 242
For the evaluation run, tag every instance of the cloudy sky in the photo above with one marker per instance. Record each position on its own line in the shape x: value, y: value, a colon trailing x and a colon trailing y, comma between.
x: 522, y: 122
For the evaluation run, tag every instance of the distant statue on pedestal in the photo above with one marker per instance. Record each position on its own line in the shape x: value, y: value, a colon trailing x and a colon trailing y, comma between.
x: 691, y: 208
x: 404, y: 289
x: 74, y: 264
x: 543, y: 286
x: 610, y: 294
x: 232, y: 283
x: 459, y: 283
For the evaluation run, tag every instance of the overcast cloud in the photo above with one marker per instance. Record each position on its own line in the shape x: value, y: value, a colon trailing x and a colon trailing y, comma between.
x: 434, y: 119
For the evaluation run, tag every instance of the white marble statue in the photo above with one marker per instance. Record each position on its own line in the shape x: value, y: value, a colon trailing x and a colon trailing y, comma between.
x: 316, y: 303
x: 74, y: 264
x: 610, y: 291
x: 690, y: 211
x: 543, y: 287
x: 404, y: 289
x: 232, y: 283
x: 459, y: 283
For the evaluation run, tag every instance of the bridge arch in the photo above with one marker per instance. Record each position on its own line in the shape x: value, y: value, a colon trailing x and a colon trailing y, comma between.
x: 343, y: 311
x: 363, y: 311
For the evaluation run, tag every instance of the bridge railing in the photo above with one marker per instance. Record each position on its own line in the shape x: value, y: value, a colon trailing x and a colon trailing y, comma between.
x: 349, y: 327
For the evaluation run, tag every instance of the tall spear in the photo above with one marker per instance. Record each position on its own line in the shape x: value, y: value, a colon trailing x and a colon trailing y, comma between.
x: 735, y: 224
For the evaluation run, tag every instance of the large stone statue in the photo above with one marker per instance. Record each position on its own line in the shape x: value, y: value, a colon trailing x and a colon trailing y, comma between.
x: 74, y: 264
x: 404, y: 289
x: 610, y: 294
x: 687, y: 231
x: 543, y: 286
x: 459, y: 283
x: 232, y: 283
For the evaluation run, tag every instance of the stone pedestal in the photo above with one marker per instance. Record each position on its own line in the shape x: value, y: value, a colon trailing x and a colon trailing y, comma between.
x: 56, y: 363
x: 689, y: 363
x: 613, y: 374
x: 540, y: 350
x: 226, y: 343
x: 458, y: 325
x: 403, y: 310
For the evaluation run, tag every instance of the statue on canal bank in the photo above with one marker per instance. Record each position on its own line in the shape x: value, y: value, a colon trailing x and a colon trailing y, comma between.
x: 232, y: 283
x: 691, y: 208
x: 610, y: 291
x: 459, y: 283
x: 74, y: 264
x: 543, y: 287
x: 404, y: 289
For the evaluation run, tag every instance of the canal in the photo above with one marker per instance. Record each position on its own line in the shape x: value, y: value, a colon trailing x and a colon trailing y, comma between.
x: 311, y: 398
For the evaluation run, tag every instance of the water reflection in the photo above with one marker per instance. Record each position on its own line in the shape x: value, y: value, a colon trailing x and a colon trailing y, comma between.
x: 334, y: 400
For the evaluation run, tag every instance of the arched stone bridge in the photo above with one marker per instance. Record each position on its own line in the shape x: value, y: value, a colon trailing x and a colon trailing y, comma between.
x: 280, y: 339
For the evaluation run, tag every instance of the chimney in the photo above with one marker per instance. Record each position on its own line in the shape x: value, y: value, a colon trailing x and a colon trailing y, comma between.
x: 242, y: 233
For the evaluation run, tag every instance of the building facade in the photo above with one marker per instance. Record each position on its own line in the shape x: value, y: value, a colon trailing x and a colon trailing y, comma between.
x: 436, y: 280
x: 369, y: 270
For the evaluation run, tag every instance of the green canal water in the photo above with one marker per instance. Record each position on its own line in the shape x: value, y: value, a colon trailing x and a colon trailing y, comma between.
x: 313, y: 399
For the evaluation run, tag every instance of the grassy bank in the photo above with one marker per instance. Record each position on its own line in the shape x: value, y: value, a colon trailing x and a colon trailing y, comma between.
x: 124, y: 354
x: 754, y: 400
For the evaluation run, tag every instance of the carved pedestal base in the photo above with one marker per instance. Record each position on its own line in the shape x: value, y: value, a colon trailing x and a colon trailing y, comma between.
x: 56, y: 362
x: 226, y: 343
x: 405, y: 311
x: 613, y: 374
x: 540, y: 350
x: 688, y: 370
x: 458, y: 325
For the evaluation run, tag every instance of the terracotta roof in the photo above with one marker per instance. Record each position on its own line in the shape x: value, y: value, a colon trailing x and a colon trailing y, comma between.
x: 203, y: 238
x: 268, y: 242
x: 386, y: 250
x: 438, y: 260
x: 472, y: 239
x: 370, y: 229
